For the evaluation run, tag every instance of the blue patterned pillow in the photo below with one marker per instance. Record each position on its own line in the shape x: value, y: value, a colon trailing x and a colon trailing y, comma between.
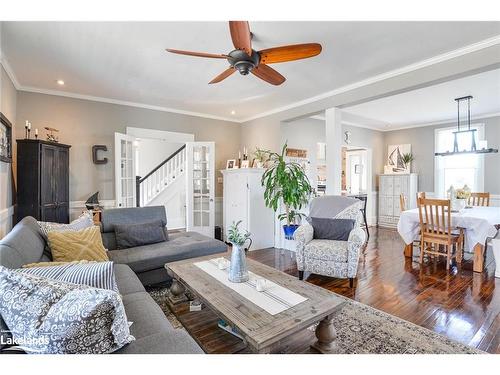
x: 54, y: 317
x: 94, y: 274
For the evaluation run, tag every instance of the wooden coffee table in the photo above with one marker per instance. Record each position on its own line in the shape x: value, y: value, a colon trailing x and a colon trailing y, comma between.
x: 262, y: 331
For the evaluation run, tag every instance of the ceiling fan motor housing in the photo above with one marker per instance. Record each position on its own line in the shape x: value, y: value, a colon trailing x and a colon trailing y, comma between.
x: 243, y: 63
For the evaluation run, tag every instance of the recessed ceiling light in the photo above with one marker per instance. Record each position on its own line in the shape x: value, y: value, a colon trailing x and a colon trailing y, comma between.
x: 60, y: 82
x: 233, y: 112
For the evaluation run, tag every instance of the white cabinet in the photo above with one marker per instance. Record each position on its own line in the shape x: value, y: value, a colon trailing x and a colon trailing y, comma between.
x: 244, y: 200
x: 391, y: 186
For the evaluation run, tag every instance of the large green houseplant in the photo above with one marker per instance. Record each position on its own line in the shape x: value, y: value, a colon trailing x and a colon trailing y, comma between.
x: 285, y: 183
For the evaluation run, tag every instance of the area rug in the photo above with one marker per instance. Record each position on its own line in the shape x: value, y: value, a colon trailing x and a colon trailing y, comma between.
x: 361, y: 329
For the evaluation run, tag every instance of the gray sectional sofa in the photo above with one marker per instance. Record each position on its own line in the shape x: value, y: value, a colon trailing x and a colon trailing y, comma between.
x: 153, y: 332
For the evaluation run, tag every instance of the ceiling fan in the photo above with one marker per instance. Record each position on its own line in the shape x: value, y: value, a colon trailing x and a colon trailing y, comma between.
x: 246, y: 60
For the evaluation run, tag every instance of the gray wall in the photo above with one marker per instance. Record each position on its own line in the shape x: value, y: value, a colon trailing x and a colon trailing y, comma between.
x: 8, y: 102
x: 422, y: 146
x: 83, y: 123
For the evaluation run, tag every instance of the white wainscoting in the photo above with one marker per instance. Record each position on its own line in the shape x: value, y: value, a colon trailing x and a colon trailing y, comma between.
x: 494, y: 198
x: 6, y: 216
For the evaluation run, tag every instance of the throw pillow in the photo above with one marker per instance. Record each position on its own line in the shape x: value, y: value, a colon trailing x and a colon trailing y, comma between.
x: 94, y: 274
x: 51, y: 264
x: 83, y: 221
x: 53, y: 317
x: 85, y: 244
x: 132, y: 235
x: 332, y: 229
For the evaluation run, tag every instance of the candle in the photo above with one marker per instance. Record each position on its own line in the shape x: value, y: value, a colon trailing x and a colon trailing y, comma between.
x: 29, y: 125
x: 26, y: 126
x: 36, y: 131
x: 239, y: 154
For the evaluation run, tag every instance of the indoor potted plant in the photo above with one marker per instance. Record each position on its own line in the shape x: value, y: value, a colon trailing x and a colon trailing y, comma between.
x: 285, y: 183
x: 407, y: 159
x: 238, y: 271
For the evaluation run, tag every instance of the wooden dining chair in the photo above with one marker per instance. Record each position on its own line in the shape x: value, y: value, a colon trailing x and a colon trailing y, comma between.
x: 479, y: 199
x: 436, y: 235
x: 403, y: 206
x: 403, y: 202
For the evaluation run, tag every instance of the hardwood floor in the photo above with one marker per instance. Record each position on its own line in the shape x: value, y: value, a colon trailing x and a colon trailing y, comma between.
x: 460, y: 304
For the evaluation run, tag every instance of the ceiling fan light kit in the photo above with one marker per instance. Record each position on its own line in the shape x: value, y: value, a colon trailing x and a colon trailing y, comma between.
x: 246, y: 60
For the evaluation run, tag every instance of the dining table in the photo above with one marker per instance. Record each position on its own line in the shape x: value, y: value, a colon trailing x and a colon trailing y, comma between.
x: 479, y: 224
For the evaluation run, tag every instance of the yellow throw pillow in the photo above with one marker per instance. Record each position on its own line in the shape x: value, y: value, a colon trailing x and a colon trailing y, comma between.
x: 52, y: 264
x: 85, y: 244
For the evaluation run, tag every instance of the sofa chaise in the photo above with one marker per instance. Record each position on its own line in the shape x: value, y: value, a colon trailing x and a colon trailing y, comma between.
x: 153, y: 332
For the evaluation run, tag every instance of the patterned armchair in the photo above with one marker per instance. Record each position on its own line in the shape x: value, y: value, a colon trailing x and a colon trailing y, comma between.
x: 328, y: 257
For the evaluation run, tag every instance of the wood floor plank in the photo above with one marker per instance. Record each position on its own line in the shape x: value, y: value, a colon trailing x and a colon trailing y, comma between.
x: 460, y: 304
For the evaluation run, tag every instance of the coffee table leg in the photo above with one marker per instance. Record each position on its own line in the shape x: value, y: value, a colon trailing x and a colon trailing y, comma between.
x: 326, y: 335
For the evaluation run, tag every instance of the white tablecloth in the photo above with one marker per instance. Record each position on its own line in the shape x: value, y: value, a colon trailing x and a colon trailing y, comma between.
x: 478, y: 222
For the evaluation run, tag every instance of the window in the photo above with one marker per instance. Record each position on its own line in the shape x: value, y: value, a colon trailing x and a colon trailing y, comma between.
x: 458, y: 170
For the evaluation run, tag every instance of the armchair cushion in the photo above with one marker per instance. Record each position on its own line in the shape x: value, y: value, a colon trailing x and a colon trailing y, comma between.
x: 327, y: 250
x: 332, y: 229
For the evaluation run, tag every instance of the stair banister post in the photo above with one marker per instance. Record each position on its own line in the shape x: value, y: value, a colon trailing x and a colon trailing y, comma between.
x: 138, y: 191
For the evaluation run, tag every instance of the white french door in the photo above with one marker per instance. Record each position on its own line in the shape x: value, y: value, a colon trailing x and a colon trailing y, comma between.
x: 124, y: 171
x: 200, y: 189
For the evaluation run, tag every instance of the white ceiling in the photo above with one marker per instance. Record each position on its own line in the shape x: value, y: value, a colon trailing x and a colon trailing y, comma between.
x: 432, y: 104
x: 127, y: 61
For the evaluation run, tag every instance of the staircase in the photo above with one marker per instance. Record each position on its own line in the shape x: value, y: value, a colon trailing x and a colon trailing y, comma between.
x: 161, y: 177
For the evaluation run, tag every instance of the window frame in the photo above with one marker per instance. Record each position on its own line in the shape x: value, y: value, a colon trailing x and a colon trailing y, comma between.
x: 439, y: 177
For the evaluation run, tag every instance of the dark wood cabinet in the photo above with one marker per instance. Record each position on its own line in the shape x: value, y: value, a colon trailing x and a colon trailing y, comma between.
x: 42, y: 180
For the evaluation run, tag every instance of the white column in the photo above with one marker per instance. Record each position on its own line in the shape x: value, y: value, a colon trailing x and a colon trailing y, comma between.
x: 333, y: 131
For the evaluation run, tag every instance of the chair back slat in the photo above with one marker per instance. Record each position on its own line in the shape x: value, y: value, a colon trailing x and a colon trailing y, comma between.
x: 435, y: 217
x: 479, y: 199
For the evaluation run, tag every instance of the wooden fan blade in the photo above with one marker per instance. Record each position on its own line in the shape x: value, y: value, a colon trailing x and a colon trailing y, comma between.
x: 240, y: 34
x: 268, y: 74
x: 197, y: 54
x: 289, y: 53
x: 226, y: 73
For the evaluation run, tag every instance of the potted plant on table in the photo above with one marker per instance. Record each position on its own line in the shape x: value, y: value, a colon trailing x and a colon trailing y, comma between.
x: 238, y: 271
x: 285, y: 182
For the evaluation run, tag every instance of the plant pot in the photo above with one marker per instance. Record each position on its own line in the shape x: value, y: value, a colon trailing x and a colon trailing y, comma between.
x: 238, y: 271
x: 290, y: 230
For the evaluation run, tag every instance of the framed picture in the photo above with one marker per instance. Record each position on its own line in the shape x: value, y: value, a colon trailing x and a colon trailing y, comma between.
x: 231, y: 164
x: 5, y: 139
x: 245, y: 164
x: 395, y: 158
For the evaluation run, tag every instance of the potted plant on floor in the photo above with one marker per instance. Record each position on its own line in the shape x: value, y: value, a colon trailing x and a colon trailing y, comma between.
x: 285, y: 182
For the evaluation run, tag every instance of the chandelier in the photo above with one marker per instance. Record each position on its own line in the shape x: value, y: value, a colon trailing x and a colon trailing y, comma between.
x: 463, y: 131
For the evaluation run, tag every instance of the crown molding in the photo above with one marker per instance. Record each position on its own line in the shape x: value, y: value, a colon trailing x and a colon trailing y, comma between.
x: 9, y: 71
x: 441, y: 122
x: 391, y: 74
x: 124, y: 102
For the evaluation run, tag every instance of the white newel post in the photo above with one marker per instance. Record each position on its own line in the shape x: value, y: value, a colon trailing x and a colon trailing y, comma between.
x: 333, y: 131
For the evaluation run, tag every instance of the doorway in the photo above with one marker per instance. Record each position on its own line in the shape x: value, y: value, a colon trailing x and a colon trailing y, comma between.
x: 354, y: 170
